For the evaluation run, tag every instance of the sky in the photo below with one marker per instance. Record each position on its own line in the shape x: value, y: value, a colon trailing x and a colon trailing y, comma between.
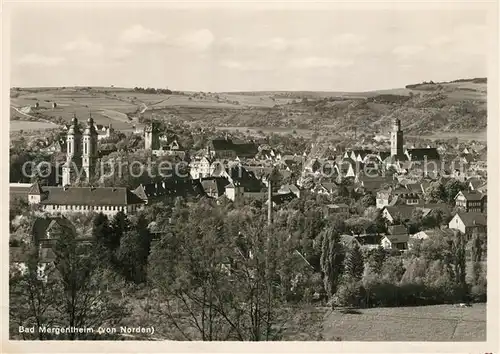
x: 231, y: 48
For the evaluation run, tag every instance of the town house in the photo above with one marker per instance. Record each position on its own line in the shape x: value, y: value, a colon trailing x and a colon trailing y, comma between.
x: 471, y: 201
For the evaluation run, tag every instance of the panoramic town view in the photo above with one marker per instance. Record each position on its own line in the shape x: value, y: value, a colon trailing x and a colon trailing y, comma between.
x: 200, y: 175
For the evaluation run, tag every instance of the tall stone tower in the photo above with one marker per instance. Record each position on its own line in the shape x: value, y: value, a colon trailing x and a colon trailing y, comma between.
x: 396, y: 138
x: 90, y: 148
x: 73, y: 153
x: 151, y: 137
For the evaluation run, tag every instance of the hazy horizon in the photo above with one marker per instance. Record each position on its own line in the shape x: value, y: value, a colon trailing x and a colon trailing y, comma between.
x: 231, y: 49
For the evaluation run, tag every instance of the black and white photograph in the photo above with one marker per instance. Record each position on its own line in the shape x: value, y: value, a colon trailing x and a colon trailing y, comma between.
x: 249, y: 172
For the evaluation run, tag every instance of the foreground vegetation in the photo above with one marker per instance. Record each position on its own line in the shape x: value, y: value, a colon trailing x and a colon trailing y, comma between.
x: 217, y: 271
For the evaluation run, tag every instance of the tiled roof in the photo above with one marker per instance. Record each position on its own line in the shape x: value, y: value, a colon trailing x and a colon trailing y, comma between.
x: 348, y: 240
x: 436, y: 232
x: 89, y: 196
x: 420, y: 154
x: 169, y: 187
x: 281, y: 198
x: 35, y: 189
x: 397, y: 230
x: 472, y: 195
x: 240, y: 148
x: 414, y: 188
x: 398, y: 238
x: 473, y: 218
x: 216, y: 184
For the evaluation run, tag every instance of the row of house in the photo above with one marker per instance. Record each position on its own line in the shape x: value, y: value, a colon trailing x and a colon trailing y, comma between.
x: 398, y: 237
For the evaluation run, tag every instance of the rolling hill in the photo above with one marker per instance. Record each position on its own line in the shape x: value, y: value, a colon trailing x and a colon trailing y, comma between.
x: 424, y: 108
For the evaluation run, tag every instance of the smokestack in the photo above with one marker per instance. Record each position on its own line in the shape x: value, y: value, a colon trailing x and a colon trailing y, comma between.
x: 270, y: 205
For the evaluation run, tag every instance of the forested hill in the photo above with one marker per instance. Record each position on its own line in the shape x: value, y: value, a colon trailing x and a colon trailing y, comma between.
x: 428, y: 107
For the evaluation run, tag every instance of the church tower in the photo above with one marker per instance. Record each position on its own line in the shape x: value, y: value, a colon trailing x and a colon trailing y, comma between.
x: 73, y: 153
x: 396, y: 139
x: 151, y: 137
x: 90, y: 149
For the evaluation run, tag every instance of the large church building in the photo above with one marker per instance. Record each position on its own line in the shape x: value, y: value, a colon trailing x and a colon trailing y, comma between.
x: 81, y: 152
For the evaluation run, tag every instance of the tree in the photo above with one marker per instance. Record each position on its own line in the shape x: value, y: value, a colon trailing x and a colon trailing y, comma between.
x: 101, y: 234
x: 392, y: 270
x: 331, y: 260
x: 354, y: 263
x: 367, y: 200
x: 415, y: 222
x: 478, y: 249
x: 458, y: 250
x: 81, y: 297
x: 119, y: 225
x: 375, y: 259
x: 436, y: 193
x: 434, y: 219
x: 132, y: 254
x: 223, y: 276
x: 31, y: 295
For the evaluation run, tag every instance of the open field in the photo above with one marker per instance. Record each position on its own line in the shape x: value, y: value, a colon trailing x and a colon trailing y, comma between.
x: 425, y: 323
x: 462, y: 136
x: 18, y: 125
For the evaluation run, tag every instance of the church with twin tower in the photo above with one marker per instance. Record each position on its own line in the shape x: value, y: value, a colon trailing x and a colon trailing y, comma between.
x: 81, y: 152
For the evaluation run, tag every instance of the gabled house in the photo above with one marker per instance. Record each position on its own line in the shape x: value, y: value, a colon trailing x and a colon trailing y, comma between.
x: 42, y: 228
x: 202, y: 167
x: 471, y: 201
x: 214, y: 187
x: 475, y: 183
x: 468, y: 222
x: 403, y: 213
x: 234, y: 191
x: 372, y: 182
x: 397, y: 238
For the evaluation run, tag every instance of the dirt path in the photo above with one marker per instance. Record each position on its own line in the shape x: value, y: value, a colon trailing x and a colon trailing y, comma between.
x: 33, y: 117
